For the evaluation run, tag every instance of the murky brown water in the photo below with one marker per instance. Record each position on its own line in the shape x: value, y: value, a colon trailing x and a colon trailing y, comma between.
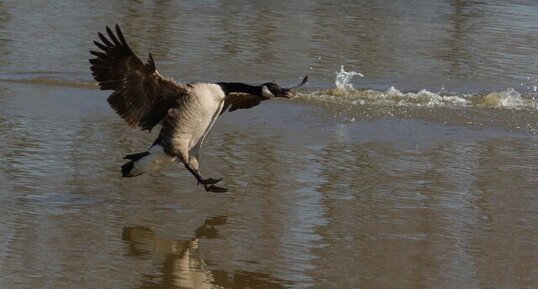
x: 377, y: 189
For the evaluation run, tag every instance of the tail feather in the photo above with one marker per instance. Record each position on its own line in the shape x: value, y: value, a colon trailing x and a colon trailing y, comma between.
x: 128, y: 166
x: 135, y: 157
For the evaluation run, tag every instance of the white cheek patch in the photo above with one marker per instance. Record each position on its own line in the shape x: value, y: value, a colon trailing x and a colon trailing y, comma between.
x: 266, y: 92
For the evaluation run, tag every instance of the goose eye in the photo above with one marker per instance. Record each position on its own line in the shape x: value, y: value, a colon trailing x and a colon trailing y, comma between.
x: 274, y: 87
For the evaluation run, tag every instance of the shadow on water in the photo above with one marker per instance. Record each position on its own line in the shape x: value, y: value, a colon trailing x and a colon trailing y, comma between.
x: 180, y: 262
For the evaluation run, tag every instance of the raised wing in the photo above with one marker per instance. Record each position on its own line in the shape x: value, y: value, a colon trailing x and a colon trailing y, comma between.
x: 237, y: 100
x: 141, y: 95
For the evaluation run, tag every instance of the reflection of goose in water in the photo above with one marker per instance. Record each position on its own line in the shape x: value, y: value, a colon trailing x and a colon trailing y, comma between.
x: 181, y: 268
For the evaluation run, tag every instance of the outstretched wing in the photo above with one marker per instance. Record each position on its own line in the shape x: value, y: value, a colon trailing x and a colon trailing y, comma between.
x: 141, y: 95
x: 238, y: 100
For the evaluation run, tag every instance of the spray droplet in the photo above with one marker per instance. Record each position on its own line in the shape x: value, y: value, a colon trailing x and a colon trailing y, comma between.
x: 343, y: 78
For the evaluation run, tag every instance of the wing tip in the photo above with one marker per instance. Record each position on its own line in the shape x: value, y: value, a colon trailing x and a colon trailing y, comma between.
x: 151, y: 62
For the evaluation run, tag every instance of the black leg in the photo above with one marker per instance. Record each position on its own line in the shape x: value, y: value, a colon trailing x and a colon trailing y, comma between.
x: 194, y: 173
x: 208, y: 184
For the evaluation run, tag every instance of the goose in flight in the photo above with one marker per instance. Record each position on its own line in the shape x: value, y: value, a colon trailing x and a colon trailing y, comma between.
x: 144, y: 98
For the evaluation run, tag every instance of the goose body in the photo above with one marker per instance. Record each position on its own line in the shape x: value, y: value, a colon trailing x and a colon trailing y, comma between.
x: 198, y: 112
x: 144, y: 99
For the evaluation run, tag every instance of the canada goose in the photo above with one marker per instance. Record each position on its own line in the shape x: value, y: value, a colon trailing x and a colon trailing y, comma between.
x: 143, y: 98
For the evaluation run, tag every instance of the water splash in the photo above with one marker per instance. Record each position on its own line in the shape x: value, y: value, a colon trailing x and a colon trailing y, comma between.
x: 509, y: 99
x: 530, y: 84
x: 343, y: 79
x: 531, y: 87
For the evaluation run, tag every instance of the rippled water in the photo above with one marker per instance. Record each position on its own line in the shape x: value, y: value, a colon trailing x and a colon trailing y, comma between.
x: 421, y: 174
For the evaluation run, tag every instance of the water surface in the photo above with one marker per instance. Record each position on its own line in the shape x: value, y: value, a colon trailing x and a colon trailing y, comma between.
x: 421, y: 174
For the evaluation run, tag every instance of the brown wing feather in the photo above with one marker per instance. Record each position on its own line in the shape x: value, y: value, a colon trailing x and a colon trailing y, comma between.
x: 141, y: 95
x: 236, y: 100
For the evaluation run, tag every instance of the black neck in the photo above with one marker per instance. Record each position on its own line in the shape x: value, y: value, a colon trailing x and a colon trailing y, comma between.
x: 229, y: 87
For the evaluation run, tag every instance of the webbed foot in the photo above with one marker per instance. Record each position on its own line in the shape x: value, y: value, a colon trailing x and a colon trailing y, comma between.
x: 215, y: 189
x: 209, y: 181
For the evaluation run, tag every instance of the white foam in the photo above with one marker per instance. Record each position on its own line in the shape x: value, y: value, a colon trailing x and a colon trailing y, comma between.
x: 345, y: 93
x: 510, y: 98
x: 343, y: 79
x: 507, y: 99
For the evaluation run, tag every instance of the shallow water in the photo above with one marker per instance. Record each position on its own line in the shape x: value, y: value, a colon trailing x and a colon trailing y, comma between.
x: 421, y: 176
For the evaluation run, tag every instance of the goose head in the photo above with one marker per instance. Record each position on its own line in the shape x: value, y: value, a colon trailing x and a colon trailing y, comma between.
x: 271, y: 89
